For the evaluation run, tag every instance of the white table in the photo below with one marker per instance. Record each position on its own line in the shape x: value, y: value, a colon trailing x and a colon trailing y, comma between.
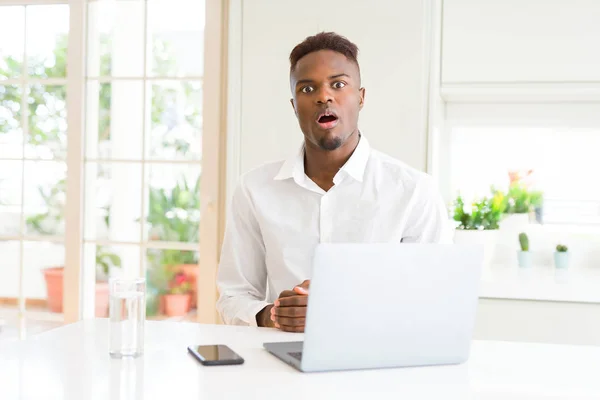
x: 72, y: 362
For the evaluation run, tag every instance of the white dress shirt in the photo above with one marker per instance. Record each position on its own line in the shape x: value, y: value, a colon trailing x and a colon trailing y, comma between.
x: 279, y: 215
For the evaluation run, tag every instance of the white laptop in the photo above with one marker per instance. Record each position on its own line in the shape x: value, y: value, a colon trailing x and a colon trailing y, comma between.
x: 387, y: 305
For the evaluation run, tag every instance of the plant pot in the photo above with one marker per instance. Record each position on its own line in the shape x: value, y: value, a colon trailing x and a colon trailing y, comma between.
x: 177, y: 305
x: 561, y: 259
x: 487, y: 238
x: 524, y: 259
x: 515, y: 222
x: 102, y: 298
x: 54, y: 288
x: 191, y: 271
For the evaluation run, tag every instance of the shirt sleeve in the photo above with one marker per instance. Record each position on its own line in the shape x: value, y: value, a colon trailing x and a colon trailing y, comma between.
x: 242, y: 275
x: 428, y: 220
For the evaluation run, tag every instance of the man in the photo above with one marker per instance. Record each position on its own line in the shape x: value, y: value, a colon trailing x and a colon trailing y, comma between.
x: 336, y: 189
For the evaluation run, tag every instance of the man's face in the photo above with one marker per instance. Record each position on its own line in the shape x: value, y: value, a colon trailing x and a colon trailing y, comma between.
x: 327, y: 98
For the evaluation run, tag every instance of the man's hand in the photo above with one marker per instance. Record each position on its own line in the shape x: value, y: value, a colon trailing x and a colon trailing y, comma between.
x: 289, y: 311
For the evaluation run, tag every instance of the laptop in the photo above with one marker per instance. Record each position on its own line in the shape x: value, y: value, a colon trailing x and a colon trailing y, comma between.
x: 387, y: 305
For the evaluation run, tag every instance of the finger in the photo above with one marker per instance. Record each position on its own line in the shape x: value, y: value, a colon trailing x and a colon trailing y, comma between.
x: 284, y: 321
x: 305, y: 284
x: 301, y: 291
x: 293, y: 312
x: 287, y: 293
x: 297, y: 329
x: 293, y: 301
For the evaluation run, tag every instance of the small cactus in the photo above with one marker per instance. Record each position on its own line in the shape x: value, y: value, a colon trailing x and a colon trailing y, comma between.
x: 524, y: 241
x: 561, y: 248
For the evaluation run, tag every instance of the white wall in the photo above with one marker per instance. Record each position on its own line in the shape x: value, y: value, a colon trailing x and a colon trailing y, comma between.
x: 515, y: 41
x: 390, y: 36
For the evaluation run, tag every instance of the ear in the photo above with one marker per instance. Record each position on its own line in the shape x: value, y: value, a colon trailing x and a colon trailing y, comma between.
x: 362, y: 97
x: 294, y: 107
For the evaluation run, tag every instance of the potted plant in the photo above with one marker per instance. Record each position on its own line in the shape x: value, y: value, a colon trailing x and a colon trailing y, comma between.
x: 177, y: 300
x: 524, y: 255
x: 49, y: 222
x: 54, y: 282
x: 561, y: 256
x: 173, y: 216
x: 479, y: 223
x: 520, y: 200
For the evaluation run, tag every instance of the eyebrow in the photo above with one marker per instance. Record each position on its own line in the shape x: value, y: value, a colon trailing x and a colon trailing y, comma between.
x: 303, y: 81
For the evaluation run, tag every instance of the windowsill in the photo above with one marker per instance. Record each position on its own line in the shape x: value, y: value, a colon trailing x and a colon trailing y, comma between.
x: 541, y: 283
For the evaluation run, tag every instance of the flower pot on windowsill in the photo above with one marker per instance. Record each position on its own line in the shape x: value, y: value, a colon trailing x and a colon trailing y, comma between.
x: 54, y: 288
x: 177, y: 305
x: 561, y: 259
x: 515, y: 222
x: 524, y: 258
x: 191, y: 271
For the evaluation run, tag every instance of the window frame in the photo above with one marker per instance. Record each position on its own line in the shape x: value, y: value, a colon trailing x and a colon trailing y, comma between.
x: 79, y: 293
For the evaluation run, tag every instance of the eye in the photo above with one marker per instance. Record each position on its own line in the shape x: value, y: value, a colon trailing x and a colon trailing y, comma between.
x: 339, y: 84
x: 307, y: 89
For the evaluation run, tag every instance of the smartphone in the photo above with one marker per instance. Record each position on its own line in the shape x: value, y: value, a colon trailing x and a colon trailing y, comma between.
x: 219, y: 354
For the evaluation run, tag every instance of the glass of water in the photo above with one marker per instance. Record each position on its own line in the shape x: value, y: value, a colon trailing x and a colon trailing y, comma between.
x: 127, y: 317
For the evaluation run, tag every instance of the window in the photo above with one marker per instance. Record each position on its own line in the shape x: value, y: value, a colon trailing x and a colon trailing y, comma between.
x: 141, y: 161
x: 33, y: 126
x: 553, y: 145
x: 143, y: 143
x: 552, y: 148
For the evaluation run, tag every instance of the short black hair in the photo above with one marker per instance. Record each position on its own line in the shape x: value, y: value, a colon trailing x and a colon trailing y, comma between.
x: 324, y: 41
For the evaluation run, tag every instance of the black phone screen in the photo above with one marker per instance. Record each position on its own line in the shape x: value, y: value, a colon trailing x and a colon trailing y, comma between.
x: 216, y: 354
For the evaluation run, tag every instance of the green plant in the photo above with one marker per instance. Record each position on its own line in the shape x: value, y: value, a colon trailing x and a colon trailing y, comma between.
x: 104, y: 260
x: 561, y: 248
x: 483, y: 214
x: 174, y: 216
x: 49, y: 221
x: 524, y: 241
x: 519, y: 200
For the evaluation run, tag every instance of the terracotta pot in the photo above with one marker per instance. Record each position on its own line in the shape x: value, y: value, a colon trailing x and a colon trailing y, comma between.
x: 102, y: 299
x: 54, y: 287
x: 191, y: 271
x: 177, y: 305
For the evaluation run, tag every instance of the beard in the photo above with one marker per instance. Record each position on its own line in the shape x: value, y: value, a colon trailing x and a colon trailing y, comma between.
x: 330, y: 144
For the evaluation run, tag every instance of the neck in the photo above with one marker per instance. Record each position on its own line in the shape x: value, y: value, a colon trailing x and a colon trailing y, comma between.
x: 322, y: 165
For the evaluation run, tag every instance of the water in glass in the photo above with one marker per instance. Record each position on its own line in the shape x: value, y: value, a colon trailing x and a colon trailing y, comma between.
x: 127, y: 317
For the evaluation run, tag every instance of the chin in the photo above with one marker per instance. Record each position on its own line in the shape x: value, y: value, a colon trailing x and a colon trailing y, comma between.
x: 330, y: 143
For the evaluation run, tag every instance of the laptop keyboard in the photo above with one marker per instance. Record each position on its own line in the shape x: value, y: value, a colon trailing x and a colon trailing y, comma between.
x: 297, y: 355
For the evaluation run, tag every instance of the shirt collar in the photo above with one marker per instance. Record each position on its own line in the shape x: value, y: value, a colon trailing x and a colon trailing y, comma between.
x: 293, y: 167
x: 357, y: 163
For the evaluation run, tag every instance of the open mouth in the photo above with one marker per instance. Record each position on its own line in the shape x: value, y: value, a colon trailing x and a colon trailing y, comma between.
x: 327, y: 120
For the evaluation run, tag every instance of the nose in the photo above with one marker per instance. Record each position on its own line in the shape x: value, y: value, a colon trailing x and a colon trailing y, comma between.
x: 324, y: 96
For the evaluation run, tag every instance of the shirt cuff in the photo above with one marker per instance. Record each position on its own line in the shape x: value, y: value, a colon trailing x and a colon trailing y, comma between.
x: 254, y: 309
